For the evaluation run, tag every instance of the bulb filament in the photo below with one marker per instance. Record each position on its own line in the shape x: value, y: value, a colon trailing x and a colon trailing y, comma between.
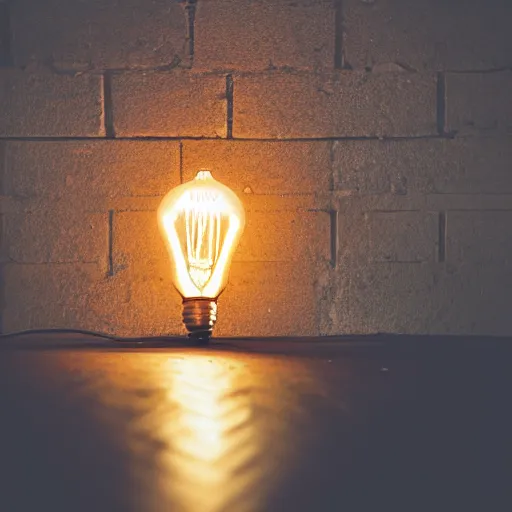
x: 203, y: 235
x: 202, y: 222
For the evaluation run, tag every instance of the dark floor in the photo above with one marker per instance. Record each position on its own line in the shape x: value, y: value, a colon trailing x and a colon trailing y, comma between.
x: 373, y: 424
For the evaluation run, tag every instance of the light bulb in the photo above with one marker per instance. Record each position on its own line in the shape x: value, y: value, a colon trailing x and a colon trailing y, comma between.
x: 201, y: 222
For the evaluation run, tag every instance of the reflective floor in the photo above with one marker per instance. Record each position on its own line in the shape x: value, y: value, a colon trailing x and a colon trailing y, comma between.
x: 255, y: 426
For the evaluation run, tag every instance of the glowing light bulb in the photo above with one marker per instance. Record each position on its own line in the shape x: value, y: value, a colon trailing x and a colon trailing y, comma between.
x: 201, y: 222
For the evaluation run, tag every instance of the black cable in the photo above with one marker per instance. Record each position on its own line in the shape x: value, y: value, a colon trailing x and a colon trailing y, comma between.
x: 96, y: 334
x: 16, y: 334
x: 299, y: 345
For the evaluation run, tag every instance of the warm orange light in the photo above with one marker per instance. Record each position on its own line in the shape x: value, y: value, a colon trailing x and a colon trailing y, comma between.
x: 202, y: 222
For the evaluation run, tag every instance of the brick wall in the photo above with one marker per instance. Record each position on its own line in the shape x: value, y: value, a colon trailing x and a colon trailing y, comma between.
x: 370, y: 141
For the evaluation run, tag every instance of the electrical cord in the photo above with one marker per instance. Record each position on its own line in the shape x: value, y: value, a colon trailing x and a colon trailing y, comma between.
x: 274, y: 345
x: 112, y: 337
x: 17, y: 334
x: 95, y: 334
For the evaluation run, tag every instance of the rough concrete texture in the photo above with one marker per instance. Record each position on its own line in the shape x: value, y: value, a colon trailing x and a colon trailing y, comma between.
x: 42, y: 296
x: 462, y: 294
x: 287, y: 235
x: 473, y: 299
x: 170, y: 104
x: 73, y: 34
x: 282, y: 168
x: 335, y: 105
x: 5, y: 43
x: 389, y: 211
x: 132, y: 304
x: 48, y: 105
x: 383, y: 297
x: 478, y: 101
x: 479, y: 238
x: 404, y: 236
x: 264, y: 34
x: 424, y: 298
x: 427, y: 166
x: 137, y: 244
x: 138, y: 296
x: 53, y: 236
x: 90, y: 174
x: 269, y: 299
x: 419, y: 34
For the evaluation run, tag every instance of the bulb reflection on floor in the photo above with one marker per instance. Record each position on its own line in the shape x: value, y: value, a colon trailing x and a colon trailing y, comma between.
x: 210, y: 434
x: 187, y: 431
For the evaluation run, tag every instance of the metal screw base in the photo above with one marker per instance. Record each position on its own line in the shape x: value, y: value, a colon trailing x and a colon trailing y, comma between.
x: 199, y: 317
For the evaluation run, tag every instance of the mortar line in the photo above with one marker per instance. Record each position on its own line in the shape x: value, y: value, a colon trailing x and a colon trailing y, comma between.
x: 331, y: 162
x: 478, y: 71
x: 181, y: 161
x: 441, y: 103
x: 333, y: 215
x: 338, y: 35
x: 230, y: 86
x: 240, y: 139
x: 110, y: 271
x: 441, y: 256
x: 190, y: 9
x: 6, y: 58
x: 108, y: 111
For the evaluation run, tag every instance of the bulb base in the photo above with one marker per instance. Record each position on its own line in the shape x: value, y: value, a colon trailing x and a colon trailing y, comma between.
x: 199, y: 317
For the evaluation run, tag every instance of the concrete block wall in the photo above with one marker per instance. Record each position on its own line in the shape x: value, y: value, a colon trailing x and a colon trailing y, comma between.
x: 370, y: 141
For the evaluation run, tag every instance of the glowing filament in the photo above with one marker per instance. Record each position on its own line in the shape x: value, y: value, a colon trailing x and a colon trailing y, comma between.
x: 203, y: 235
x: 202, y: 221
